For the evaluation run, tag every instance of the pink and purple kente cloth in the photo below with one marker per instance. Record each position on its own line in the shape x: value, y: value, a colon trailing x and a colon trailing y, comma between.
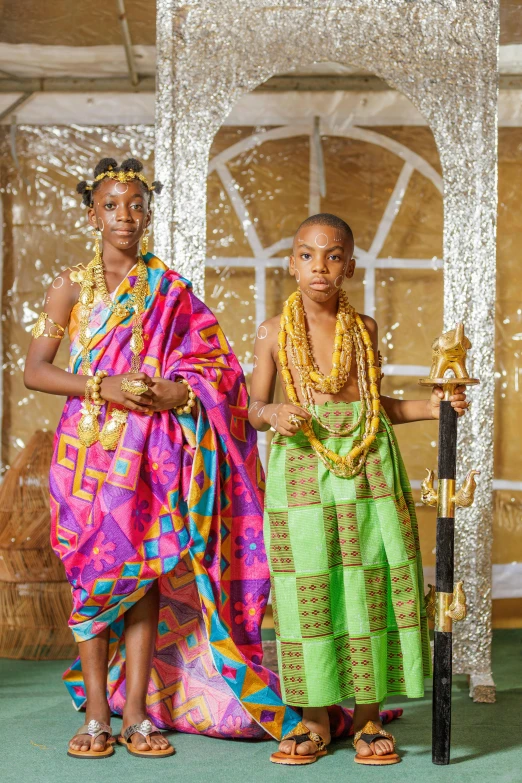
x: 179, y: 500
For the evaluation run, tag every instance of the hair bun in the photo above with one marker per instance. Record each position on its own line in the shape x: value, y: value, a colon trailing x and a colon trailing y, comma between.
x: 132, y: 164
x: 85, y: 191
x: 105, y: 164
x: 157, y: 187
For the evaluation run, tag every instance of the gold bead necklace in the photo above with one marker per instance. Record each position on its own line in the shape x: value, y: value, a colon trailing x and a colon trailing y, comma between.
x: 90, y: 278
x: 349, y: 325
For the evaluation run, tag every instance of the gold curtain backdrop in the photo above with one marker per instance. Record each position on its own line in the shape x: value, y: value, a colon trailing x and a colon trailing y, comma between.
x: 252, y: 214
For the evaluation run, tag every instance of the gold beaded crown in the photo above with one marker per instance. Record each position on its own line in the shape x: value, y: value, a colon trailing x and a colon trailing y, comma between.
x: 121, y: 176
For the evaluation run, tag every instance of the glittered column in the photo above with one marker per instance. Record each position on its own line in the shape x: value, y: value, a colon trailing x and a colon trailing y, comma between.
x: 443, y: 57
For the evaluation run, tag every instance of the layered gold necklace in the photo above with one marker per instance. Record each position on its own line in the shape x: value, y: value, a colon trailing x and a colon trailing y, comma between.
x: 90, y: 279
x: 351, y: 336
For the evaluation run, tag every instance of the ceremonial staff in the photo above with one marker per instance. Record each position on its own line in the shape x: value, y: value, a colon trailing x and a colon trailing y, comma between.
x: 446, y: 603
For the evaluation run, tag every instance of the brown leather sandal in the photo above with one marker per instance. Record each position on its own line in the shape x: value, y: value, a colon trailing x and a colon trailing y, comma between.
x: 94, y: 729
x: 370, y: 733
x: 299, y: 735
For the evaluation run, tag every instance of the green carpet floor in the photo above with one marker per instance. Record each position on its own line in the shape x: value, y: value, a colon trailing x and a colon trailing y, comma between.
x: 37, y: 719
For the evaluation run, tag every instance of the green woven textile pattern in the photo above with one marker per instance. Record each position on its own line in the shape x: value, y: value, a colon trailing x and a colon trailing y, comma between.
x: 346, y: 571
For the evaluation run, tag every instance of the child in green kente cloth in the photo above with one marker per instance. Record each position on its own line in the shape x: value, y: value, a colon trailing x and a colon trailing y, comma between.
x: 340, y: 527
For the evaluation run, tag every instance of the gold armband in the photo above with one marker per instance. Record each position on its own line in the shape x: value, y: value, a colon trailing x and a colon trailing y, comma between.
x: 38, y: 329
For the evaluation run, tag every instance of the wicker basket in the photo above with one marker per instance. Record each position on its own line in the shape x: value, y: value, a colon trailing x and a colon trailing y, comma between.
x: 35, y: 597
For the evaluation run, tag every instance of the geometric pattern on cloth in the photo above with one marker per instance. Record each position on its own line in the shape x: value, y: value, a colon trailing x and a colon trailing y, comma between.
x: 280, y: 547
x: 348, y: 593
x: 313, y: 602
x: 301, y: 478
x: 293, y: 671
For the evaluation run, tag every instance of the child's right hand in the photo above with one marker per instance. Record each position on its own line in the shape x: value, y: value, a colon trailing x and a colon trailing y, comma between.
x: 111, y: 391
x: 283, y: 419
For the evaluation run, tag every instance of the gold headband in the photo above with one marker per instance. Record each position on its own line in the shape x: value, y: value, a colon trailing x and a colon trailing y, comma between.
x: 121, y: 176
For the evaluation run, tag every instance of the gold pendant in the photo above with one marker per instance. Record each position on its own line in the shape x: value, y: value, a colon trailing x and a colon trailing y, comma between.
x: 112, y: 429
x: 136, y: 343
x: 120, y: 311
x: 88, y: 427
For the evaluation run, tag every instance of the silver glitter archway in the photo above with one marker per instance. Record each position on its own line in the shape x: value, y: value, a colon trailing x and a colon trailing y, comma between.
x: 443, y: 57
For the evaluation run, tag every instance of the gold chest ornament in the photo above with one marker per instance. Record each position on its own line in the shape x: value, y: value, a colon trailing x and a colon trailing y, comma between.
x: 89, y: 279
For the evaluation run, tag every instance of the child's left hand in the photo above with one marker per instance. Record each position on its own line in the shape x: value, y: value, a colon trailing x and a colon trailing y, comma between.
x: 164, y: 395
x: 457, y: 399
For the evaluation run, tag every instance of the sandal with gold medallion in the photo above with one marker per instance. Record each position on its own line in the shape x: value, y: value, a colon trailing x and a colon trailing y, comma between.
x: 94, y: 729
x: 145, y: 728
x: 370, y: 733
x: 298, y: 735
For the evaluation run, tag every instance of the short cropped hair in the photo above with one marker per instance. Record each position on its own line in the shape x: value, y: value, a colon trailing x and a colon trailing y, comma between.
x: 326, y: 219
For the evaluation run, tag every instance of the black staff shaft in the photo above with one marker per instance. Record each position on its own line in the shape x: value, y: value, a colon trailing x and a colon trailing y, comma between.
x: 442, y: 664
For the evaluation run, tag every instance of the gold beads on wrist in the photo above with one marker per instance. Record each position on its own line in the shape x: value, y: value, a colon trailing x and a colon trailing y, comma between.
x: 95, y: 385
x: 191, y: 399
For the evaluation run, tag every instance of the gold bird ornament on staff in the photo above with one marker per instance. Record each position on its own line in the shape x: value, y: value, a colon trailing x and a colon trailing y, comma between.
x: 464, y: 496
x: 457, y: 609
x: 428, y: 492
x: 429, y: 602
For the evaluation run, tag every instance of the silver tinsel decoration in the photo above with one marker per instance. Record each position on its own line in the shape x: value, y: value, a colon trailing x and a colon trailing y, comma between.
x: 443, y: 56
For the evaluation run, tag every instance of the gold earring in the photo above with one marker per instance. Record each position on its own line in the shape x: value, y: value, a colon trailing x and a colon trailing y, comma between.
x: 97, y: 250
x: 145, y: 243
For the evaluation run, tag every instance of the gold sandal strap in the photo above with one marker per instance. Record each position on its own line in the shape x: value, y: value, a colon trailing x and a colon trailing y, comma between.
x: 297, y: 731
x: 319, y: 741
x: 301, y: 730
x: 371, y: 728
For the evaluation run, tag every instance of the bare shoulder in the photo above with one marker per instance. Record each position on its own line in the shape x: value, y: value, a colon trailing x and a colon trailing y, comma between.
x: 370, y: 323
x: 269, y: 329
x: 65, y: 288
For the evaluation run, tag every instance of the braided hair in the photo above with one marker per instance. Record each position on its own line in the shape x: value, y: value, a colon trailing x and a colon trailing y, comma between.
x: 86, y: 190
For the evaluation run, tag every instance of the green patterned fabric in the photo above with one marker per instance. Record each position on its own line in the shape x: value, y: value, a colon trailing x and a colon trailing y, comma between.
x: 346, y: 571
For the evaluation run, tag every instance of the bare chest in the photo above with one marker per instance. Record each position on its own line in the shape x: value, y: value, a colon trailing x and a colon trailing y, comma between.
x: 321, y: 342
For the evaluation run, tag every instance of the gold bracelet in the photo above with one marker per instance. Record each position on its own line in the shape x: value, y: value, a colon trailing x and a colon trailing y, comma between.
x: 94, y: 385
x: 38, y: 329
x: 191, y: 400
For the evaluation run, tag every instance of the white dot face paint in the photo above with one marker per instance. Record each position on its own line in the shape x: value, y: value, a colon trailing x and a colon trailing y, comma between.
x: 121, y: 187
x: 321, y: 240
x: 262, y: 332
x: 338, y: 238
x: 58, y: 282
